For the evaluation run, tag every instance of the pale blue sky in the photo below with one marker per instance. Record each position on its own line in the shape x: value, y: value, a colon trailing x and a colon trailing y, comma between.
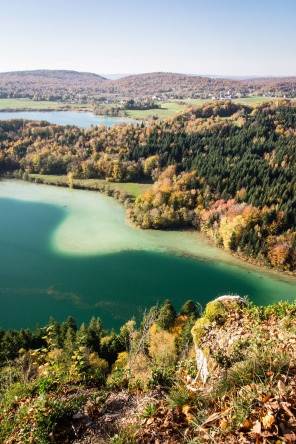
x: 225, y: 37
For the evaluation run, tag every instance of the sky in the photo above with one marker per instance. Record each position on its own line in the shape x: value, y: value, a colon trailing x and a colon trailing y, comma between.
x: 217, y: 37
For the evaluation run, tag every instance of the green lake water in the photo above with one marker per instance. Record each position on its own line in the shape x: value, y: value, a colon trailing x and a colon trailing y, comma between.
x: 69, y: 252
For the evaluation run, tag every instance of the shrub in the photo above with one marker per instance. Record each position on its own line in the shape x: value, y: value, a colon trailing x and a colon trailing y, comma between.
x: 141, y: 366
x: 43, y: 385
x: 214, y: 312
x: 179, y: 396
x: 149, y: 409
x: 162, y: 349
x: 121, y: 361
x: 50, y: 412
x: 199, y: 329
x: 161, y: 376
x: 98, y: 364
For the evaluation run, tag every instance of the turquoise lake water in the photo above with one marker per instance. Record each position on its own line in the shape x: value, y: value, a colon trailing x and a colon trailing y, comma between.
x: 71, y: 252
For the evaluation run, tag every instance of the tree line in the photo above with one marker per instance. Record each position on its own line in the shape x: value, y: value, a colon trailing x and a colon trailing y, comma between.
x: 96, y: 341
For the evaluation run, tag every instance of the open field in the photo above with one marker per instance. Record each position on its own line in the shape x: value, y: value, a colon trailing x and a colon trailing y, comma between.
x: 193, y: 102
x: 251, y: 100
x: 131, y: 188
x: 160, y: 113
x: 168, y: 109
x: 173, y: 106
x: 33, y: 104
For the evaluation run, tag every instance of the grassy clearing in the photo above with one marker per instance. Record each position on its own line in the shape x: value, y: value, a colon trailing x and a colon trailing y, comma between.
x: 159, y: 113
x: 168, y: 109
x: 135, y: 189
x: 173, y: 106
x: 251, y: 100
x: 131, y: 188
x: 194, y: 102
x: 33, y: 104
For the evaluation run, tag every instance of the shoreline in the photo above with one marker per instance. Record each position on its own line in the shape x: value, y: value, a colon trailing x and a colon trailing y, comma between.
x: 30, y: 110
x: 126, y: 199
x: 250, y: 263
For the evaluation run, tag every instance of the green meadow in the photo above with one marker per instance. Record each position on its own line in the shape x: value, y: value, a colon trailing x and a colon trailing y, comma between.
x: 252, y: 100
x: 159, y: 113
x: 131, y: 188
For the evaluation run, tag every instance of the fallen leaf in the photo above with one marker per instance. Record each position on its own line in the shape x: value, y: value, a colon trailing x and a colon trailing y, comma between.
x: 223, y: 425
x: 190, y: 417
x: 281, y: 387
x: 257, y: 428
x: 213, y: 418
x: 267, y: 421
x: 185, y: 409
x: 290, y: 436
x: 287, y: 410
x: 246, y: 425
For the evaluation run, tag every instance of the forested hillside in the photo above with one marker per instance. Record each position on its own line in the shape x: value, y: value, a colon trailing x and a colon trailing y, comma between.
x: 49, y: 84
x: 222, y: 168
x: 71, y: 85
x: 181, y: 85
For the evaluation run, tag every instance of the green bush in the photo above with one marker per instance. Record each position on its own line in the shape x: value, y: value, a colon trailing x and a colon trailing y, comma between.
x: 50, y: 412
x: 43, y: 385
x: 161, y: 376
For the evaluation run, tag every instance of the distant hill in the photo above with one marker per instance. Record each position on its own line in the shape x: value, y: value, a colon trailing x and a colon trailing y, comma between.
x: 53, y: 84
x: 278, y: 86
x: 270, y: 80
x: 73, y: 85
x: 183, y: 85
x: 170, y: 83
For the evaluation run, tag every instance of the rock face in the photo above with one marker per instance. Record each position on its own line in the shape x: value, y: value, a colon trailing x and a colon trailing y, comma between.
x: 228, y: 298
x: 204, y: 330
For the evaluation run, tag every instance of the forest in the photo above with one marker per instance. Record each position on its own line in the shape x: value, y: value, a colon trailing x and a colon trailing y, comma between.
x: 96, y: 340
x: 222, y: 168
x: 63, y: 85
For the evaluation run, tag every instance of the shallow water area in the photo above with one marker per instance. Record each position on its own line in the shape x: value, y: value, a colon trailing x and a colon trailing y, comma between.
x: 70, y: 252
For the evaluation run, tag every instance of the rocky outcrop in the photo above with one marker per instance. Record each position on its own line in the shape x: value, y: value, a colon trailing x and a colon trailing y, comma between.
x: 214, y: 314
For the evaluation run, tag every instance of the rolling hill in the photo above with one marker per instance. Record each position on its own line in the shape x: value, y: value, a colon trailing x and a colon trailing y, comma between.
x: 51, y: 84
x: 66, y: 85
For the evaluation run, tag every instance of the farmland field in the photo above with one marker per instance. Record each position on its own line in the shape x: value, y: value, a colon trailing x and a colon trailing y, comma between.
x: 259, y: 99
x: 159, y: 113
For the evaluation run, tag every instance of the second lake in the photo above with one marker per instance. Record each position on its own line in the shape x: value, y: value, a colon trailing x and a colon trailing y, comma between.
x: 80, y: 119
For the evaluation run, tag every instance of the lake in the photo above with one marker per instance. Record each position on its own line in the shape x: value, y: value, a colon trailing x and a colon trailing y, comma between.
x: 71, y: 252
x: 80, y: 119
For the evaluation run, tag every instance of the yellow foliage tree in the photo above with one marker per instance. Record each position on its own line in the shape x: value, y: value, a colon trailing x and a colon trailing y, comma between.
x: 162, y: 348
